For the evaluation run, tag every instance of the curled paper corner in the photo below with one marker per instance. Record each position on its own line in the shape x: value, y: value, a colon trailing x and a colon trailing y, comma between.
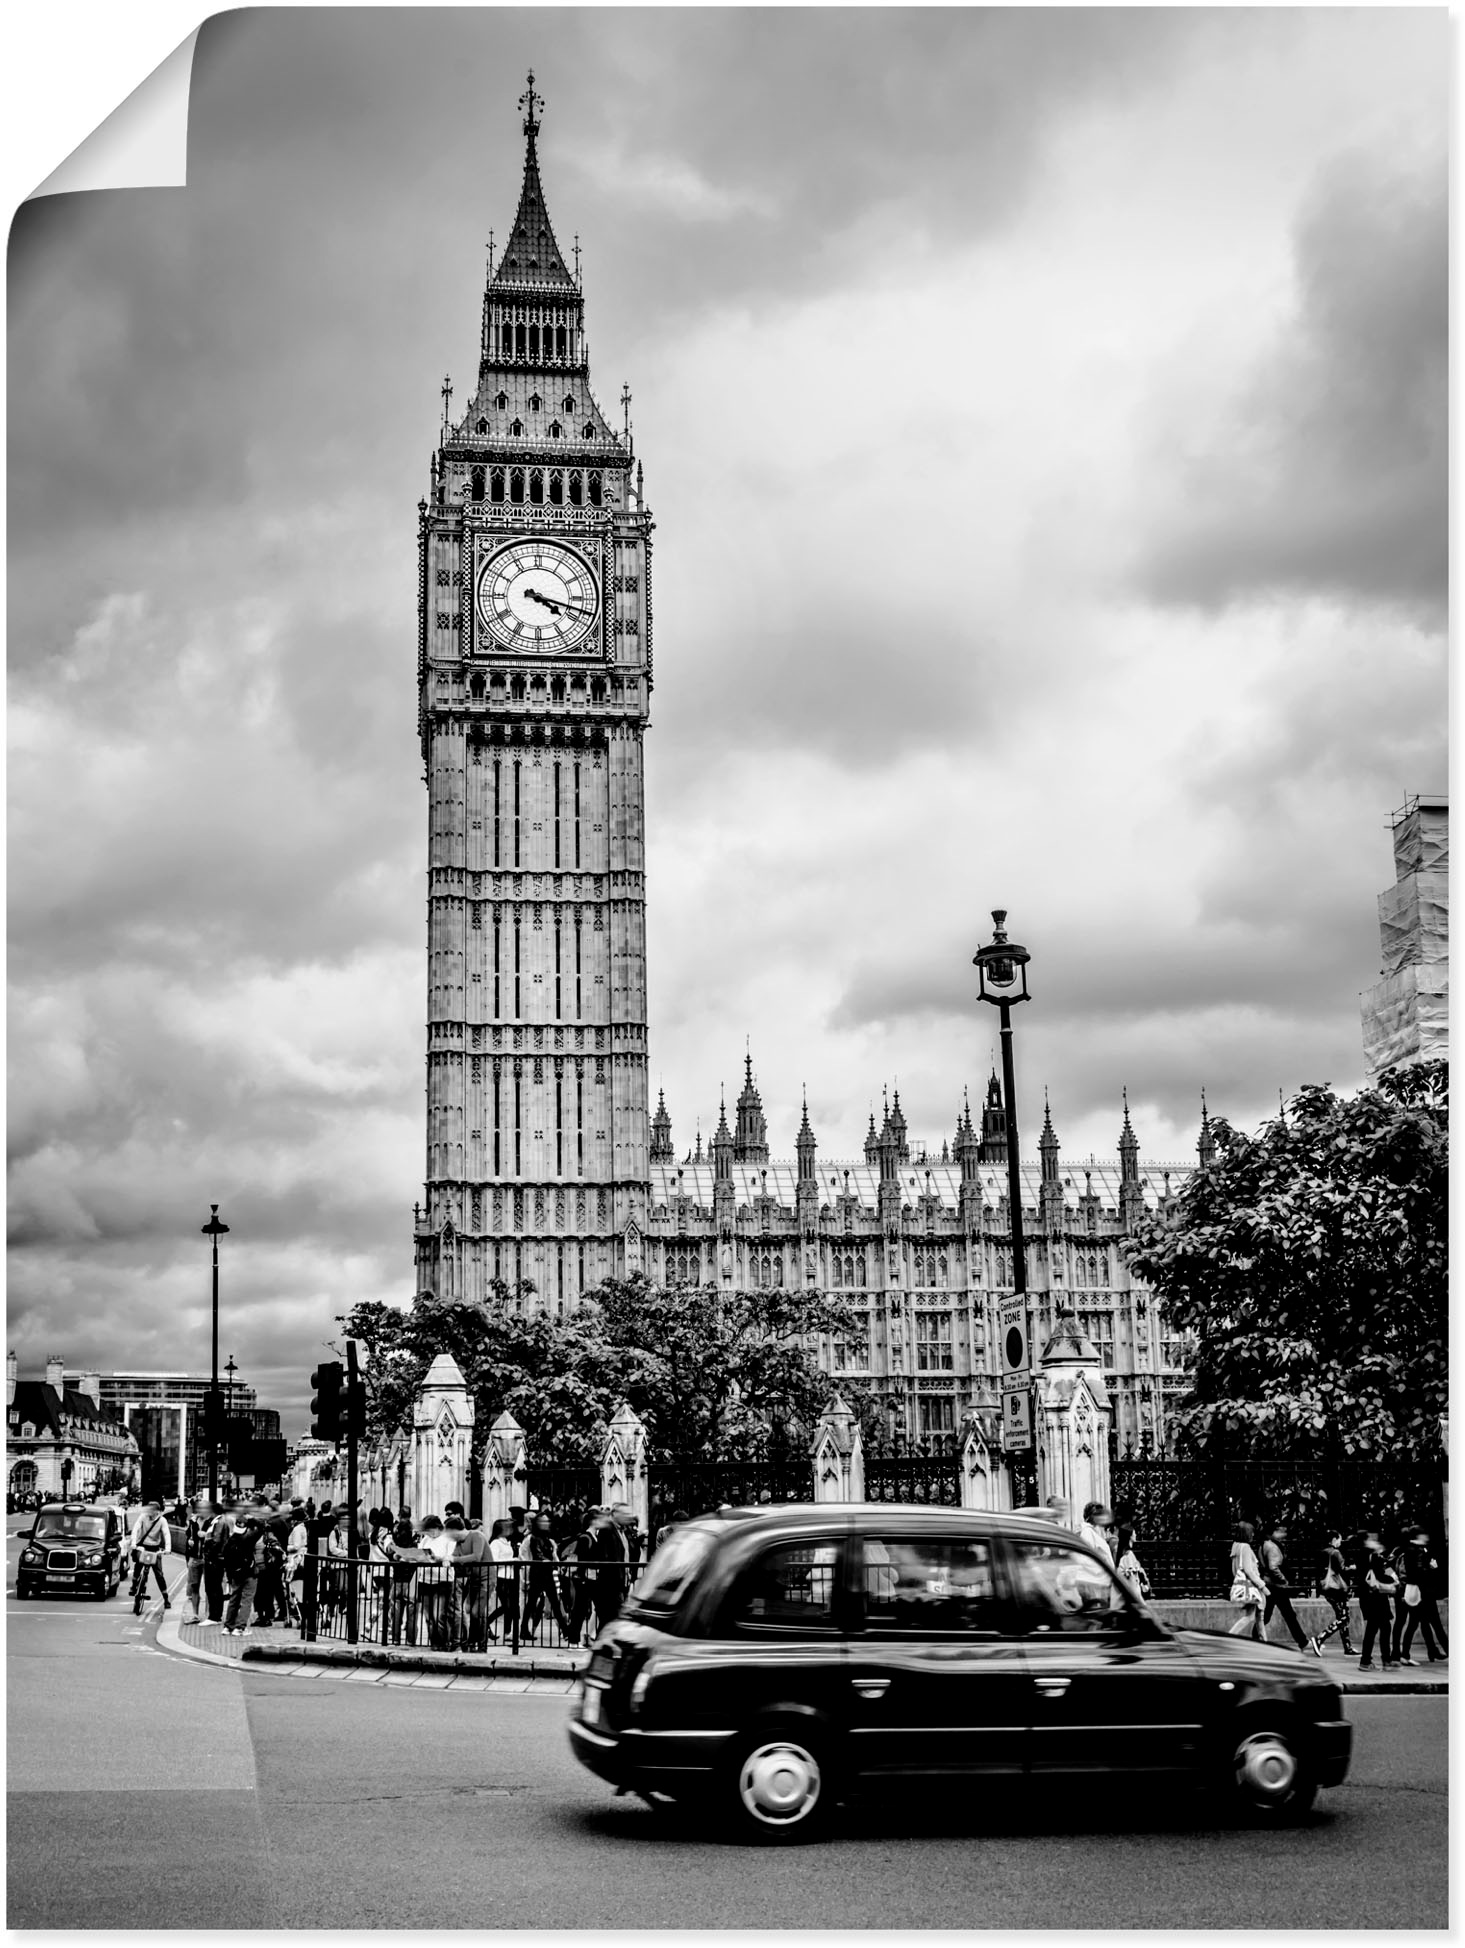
x: 143, y: 143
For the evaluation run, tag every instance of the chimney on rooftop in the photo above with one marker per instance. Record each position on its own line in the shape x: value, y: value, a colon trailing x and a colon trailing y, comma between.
x: 56, y: 1373
x: 10, y: 1379
x: 91, y: 1385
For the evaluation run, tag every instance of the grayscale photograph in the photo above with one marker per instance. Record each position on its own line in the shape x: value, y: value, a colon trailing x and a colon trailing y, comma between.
x: 728, y: 975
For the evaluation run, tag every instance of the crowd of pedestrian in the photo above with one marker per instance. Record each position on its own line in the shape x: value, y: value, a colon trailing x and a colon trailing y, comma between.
x: 1397, y: 1593
x: 1397, y: 1590
x: 445, y: 1581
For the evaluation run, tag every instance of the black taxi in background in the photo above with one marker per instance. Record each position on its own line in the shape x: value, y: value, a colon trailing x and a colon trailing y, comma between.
x: 72, y: 1547
x: 773, y: 1660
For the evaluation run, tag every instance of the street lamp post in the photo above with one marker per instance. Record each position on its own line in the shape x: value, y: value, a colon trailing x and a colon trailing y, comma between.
x: 1002, y: 975
x: 214, y: 1229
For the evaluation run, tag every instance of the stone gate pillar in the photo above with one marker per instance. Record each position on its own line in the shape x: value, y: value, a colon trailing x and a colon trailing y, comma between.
x: 505, y: 1470
x: 623, y: 1474
x: 442, y: 1439
x: 1071, y: 1420
x: 985, y: 1483
x: 837, y: 1454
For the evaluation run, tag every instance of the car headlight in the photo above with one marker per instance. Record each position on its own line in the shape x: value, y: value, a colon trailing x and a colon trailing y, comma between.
x: 30, y: 1555
x: 93, y: 1561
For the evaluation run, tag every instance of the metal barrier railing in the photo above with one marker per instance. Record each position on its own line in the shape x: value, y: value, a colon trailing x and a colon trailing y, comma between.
x: 508, y: 1606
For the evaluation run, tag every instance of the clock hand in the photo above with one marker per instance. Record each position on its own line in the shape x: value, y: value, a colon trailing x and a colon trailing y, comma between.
x: 556, y: 606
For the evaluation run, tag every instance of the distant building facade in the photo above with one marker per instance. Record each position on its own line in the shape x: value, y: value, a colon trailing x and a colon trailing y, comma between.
x: 60, y: 1440
x: 165, y: 1412
x: 920, y: 1246
x: 1406, y: 1016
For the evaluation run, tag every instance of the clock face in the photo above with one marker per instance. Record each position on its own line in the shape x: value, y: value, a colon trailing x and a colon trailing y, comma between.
x: 538, y: 597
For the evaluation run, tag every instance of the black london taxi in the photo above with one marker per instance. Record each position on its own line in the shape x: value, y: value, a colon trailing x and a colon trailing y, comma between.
x: 773, y: 1660
x: 72, y: 1546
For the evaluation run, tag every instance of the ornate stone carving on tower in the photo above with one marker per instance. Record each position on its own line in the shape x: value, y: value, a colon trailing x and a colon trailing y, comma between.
x: 750, y: 1141
x: 994, y: 1124
x: 661, y: 1146
x: 534, y: 673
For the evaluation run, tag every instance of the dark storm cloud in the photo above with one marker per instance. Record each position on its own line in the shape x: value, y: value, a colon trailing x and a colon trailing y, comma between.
x: 776, y: 138
x: 1332, y: 475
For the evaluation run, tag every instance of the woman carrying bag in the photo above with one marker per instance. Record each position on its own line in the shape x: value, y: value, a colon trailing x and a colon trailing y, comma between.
x: 1247, y: 1585
x: 1335, y: 1589
x: 1129, y: 1569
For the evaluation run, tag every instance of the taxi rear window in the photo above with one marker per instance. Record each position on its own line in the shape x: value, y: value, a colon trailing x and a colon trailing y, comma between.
x: 671, y: 1568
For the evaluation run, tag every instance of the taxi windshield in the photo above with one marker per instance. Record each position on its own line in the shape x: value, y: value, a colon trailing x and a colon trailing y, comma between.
x: 672, y: 1567
x: 72, y: 1522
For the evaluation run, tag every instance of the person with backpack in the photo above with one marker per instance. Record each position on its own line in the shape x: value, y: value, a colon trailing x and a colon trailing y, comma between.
x: 150, y: 1543
x: 244, y: 1558
x: 1377, y: 1588
x: 269, y: 1596
x: 215, y: 1544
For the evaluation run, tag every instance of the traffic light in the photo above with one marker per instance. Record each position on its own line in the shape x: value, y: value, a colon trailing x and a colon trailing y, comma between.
x: 356, y: 1407
x: 325, y: 1408
x: 213, y: 1417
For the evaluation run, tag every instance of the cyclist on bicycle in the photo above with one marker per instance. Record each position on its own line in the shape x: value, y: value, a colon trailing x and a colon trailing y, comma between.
x: 150, y: 1543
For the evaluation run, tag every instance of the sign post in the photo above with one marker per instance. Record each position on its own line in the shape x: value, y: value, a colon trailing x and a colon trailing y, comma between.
x: 1017, y: 1376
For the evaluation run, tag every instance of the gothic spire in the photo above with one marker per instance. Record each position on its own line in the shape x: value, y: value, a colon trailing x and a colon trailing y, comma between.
x: 1128, y: 1148
x: 804, y: 1145
x: 1206, y: 1147
x: 751, y: 1140
x: 1048, y: 1145
x: 661, y: 1146
x: 532, y: 255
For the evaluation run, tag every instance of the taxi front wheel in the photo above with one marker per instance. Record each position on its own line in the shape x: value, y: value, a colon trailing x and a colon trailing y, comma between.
x: 1273, y: 1785
x: 779, y: 1785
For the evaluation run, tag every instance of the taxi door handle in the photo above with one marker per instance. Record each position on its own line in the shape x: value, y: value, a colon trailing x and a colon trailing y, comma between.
x: 872, y: 1687
x: 1053, y: 1687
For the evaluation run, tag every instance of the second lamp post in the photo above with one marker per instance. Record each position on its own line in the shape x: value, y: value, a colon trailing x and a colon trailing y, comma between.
x: 1002, y: 974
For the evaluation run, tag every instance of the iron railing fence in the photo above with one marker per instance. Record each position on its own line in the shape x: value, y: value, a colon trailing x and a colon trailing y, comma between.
x: 1183, y: 1511
x: 926, y: 1470
x: 559, y: 1489
x: 518, y: 1607
x: 697, y: 1485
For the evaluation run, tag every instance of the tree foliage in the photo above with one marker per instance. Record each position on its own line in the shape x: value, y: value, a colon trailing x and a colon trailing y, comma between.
x: 708, y: 1373
x: 1310, y: 1262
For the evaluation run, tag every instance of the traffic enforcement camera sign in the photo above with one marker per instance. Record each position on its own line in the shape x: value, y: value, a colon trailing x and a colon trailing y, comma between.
x: 1015, y: 1362
x: 1017, y: 1419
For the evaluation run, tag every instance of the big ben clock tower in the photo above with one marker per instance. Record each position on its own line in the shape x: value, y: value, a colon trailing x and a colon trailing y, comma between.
x: 534, y: 674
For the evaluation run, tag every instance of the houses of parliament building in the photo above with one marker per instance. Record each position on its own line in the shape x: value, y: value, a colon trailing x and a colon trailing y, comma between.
x: 545, y: 1164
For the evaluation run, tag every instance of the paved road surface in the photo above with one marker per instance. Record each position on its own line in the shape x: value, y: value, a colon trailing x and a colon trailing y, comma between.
x: 147, y: 1791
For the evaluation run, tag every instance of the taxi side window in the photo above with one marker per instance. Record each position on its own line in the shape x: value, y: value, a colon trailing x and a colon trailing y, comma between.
x: 1063, y: 1589
x: 792, y: 1585
x: 929, y: 1583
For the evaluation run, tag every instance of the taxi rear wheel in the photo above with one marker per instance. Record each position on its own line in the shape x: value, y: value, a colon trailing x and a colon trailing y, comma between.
x: 1272, y: 1781
x: 779, y: 1785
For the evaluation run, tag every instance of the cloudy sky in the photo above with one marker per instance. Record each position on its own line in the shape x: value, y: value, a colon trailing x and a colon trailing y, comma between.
x: 1044, y: 416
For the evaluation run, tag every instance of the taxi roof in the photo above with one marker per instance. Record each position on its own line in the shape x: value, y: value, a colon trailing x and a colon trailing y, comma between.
x: 1037, y: 1523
